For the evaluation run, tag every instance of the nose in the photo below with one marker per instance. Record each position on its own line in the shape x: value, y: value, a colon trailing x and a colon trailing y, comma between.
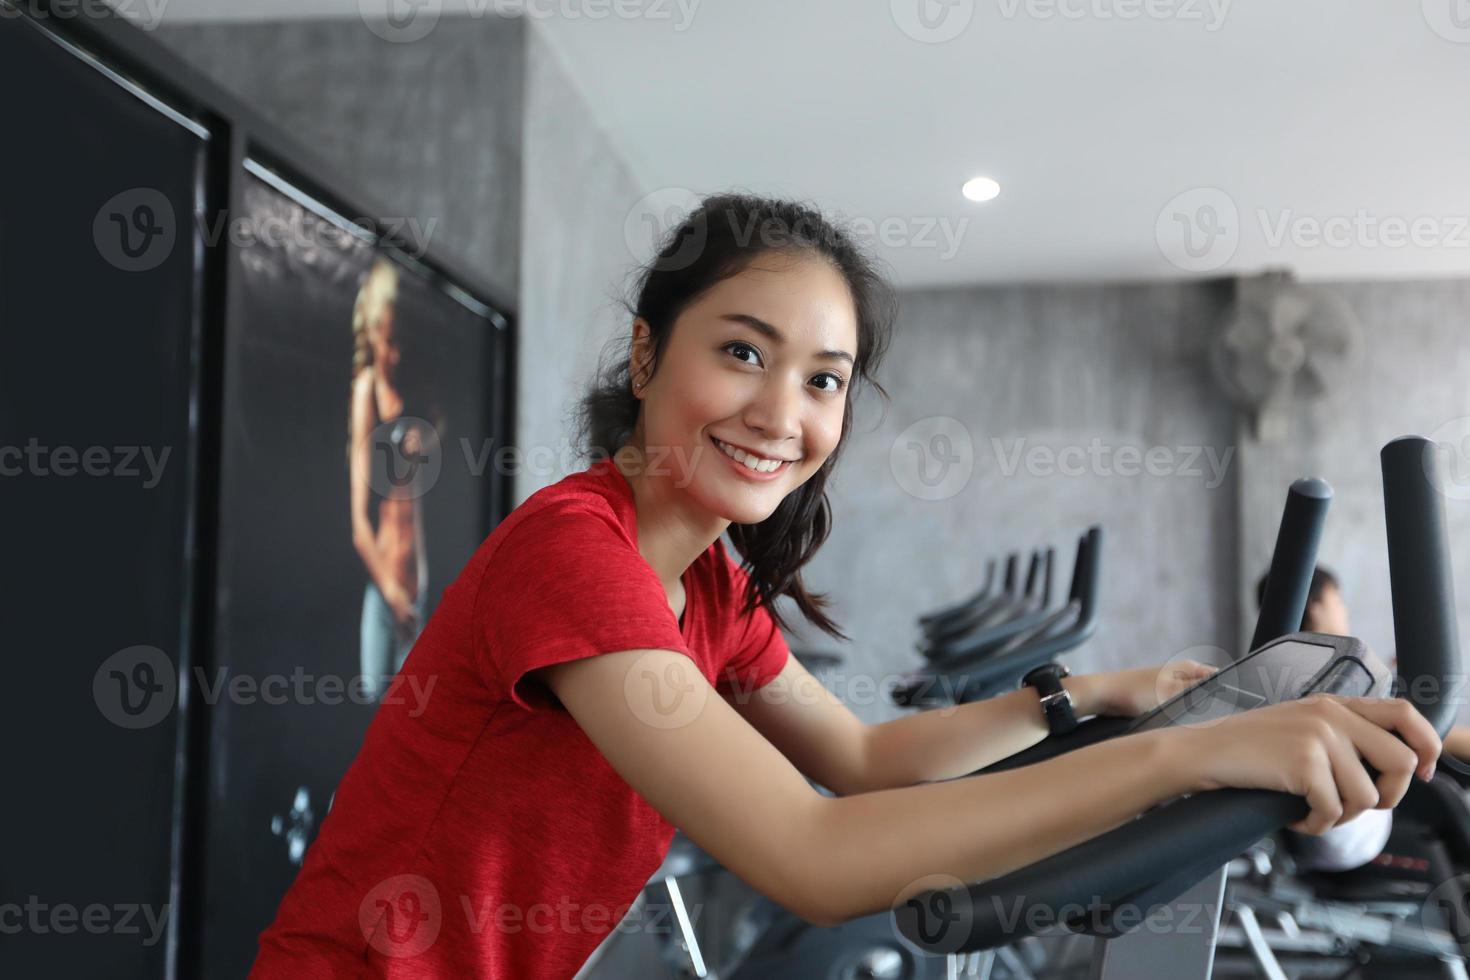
x: 775, y: 411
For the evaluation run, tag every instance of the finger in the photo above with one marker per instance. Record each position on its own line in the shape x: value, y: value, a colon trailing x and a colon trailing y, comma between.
x: 1355, y: 789
x: 1398, y: 715
x: 1325, y: 806
x: 1394, y: 759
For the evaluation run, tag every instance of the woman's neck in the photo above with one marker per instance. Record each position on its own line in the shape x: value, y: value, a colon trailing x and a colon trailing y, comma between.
x: 672, y: 530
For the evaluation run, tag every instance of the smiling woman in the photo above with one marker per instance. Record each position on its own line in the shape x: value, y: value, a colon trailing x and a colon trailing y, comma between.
x: 781, y: 319
x: 604, y: 672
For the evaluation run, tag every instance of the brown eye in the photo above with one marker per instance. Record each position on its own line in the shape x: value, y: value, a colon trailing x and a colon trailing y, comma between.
x: 837, y: 381
x: 741, y: 346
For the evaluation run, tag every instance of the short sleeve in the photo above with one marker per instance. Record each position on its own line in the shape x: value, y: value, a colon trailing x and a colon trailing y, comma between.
x: 567, y: 582
x: 761, y: 652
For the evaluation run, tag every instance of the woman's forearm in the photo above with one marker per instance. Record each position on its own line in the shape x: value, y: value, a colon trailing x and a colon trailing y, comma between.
x: 378, y: 567
x: 943, y: 743
x: 868, y: 850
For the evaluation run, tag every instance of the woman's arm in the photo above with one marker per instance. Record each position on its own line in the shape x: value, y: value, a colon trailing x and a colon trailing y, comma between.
x: 826, y: 741
x: 1457, y: 743
x: 666, y: 731
x: 363, y: 538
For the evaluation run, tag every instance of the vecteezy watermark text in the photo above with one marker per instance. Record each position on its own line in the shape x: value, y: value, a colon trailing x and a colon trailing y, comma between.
x: 1211, y: 13
x: 137, y: 686
x: 39, y: 918
x: 34, y: 459
x: 1099, y: 459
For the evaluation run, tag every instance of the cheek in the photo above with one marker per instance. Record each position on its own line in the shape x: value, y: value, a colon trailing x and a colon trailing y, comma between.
x: 826, y: 430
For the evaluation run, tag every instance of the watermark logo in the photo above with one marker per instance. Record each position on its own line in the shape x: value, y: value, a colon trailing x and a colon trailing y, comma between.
x: 1447, y: 907
x: 135, y: 230
x: 934, y: 458
x: 932, y: 21
x: 1449, y: 446
x: 651, y: 220
x: 937, y: 909
x: 664, y: 690
x: 1201, y: 705
x: 406, y: 458
x: 400, y: 21
x: 135, y: 687
x: 1450, y: 19
x: 401, y: 916
x: 1198, y: 230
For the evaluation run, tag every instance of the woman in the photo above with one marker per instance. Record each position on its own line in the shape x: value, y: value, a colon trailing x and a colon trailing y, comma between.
x: 393, y: 552
x: 605, y: 672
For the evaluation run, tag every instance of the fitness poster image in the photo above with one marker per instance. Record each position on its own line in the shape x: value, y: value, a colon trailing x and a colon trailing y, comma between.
x: 355, y: 402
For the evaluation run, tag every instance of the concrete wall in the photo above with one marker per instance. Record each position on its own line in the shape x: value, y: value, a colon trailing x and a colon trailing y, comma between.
x: 1408, y: 377
x: 432, y: 129
x: 1044, y: 385
x: 1049, y: 390
x: 575, y: 261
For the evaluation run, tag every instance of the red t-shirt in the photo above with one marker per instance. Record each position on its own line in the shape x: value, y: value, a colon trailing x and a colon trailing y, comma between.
x: 479, y: 833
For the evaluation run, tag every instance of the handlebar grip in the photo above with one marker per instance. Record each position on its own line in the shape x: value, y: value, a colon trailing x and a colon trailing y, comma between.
x: 1289, y: 580
x: 1425, y: 629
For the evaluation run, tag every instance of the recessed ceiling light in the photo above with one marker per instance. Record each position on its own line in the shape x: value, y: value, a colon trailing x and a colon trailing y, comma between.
x: 980, y: 189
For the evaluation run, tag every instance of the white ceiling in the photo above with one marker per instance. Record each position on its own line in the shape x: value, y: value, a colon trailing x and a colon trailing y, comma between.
x: 1328, y: 137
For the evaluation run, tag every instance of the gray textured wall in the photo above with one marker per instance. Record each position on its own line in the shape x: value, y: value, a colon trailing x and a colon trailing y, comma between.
x: 1410, y: 376
x: 432, y: 128
x: 1040, y: 369
x: 578, y: 193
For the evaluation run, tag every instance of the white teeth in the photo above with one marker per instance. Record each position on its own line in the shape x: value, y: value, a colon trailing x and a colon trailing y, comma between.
x: 750, y: 462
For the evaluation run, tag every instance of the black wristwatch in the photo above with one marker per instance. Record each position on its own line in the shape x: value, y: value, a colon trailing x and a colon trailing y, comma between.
x: 1056, y: 700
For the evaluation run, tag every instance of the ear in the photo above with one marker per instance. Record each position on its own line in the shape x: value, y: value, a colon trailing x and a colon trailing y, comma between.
x: 640, y: 354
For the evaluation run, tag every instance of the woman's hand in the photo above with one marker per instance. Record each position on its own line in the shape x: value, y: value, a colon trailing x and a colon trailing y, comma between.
x: 1132, y: 692
x: 1312, y: 748
x: 397, y: 598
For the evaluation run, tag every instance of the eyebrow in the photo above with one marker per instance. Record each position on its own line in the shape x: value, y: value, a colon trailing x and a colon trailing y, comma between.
x: 761, y: 326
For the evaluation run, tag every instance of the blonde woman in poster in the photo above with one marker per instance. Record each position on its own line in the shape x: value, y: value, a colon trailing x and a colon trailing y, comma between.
x: 385, y: 448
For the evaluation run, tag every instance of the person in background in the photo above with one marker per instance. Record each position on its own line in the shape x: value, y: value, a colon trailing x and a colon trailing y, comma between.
x: 1355, y: 843
x: 1328, y: 613
x: 392, y: 547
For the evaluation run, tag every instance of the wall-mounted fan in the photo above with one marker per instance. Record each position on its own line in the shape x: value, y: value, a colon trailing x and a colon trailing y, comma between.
x: 1281, y: 341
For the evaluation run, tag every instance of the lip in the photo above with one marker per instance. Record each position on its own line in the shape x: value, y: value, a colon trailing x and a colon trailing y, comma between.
x: 745, y: 471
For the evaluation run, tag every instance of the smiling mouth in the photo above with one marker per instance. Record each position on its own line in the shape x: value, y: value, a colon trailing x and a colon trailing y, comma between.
x: 752, y: 462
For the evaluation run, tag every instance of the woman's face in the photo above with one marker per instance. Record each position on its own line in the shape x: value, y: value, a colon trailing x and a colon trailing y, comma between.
x: 757, y: 366
x: 1329, y: 614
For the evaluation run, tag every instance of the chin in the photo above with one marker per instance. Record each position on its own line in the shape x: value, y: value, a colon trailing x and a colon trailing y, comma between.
x: 738, y: 508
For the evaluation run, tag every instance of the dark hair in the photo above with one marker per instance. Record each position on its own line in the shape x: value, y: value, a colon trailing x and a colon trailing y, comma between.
x: 715, y: 242
x: 1321, y: 579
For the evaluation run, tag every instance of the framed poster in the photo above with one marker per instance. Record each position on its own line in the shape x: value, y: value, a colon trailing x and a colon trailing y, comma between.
x: 357, y: 477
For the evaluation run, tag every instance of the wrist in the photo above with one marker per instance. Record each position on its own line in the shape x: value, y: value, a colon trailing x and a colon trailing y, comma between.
x: 1178, y: 753
x: 1089, y: 696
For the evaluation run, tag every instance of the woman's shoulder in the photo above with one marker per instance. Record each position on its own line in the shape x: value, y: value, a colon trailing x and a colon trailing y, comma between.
x: 578, y: 502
